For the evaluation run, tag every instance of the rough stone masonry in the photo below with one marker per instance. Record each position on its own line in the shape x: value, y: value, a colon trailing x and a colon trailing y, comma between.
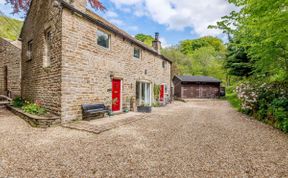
x: 79, y: 70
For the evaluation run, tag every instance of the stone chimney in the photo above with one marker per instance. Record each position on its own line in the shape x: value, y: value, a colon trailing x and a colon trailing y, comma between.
x: 156, y: 44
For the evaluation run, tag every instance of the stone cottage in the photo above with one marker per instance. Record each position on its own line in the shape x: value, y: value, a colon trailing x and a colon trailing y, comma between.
x: 10, y: 67
x: 71, y: 56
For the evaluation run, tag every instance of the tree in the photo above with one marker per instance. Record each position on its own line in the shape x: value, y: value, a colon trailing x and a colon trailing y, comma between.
x: 182, y: 64
x: 189, y: 46
x: 23, y: 5
x: 262, y: 29
x: 203, y: 56
x: 237, y: 62
x: 147, y: 39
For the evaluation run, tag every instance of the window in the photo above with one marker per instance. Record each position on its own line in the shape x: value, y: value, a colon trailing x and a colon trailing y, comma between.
x: 103, y: 39
x: 143, y: 93
x: 166, y: 89
x: 137, y: 53
x: 29, y: 50
x: 164, y: 63
x: 47, y: 49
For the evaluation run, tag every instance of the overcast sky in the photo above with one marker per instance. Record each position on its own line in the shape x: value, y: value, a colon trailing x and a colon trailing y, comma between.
x: 175, y: 20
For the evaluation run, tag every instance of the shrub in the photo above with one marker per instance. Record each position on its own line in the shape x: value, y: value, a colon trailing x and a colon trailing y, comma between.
x: 266, y: 102
x: 156, y: 104
x: 18, y: 102
x: 33, y: 108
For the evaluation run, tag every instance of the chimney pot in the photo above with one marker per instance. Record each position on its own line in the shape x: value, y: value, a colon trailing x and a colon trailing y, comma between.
x: 157, y: 36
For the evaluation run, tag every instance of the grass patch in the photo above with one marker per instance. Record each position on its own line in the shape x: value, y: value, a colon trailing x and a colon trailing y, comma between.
x: 233, y: 100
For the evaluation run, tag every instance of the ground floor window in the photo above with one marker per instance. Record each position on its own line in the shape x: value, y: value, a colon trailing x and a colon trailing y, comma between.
x: 143, y: 93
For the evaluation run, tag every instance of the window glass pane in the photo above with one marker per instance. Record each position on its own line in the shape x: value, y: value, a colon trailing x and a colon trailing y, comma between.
x: 103, y: 39
x: 166, y: 88
x: 147, y: 97
x: 30, y: 46
x: 143, y: 93
x: 163, y: 64
x: 137, y: 53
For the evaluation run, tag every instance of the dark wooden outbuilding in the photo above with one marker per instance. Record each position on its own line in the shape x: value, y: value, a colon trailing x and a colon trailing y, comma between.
x: 196, y: 87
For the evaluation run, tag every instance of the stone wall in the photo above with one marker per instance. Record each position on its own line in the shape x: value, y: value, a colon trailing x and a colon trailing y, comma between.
x: 39, y: 82
x: 10, y: 57
x: 87, y: 68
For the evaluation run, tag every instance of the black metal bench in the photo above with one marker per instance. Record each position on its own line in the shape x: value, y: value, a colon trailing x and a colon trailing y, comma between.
x: 89, y: 110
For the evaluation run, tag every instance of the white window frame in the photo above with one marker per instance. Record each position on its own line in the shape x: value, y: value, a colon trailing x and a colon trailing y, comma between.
x: 140, y: 53
x: 164, y: 64
x: 29, y: 50
x: 109, y: 39
x: 47, y: 49
x: 140, y: 92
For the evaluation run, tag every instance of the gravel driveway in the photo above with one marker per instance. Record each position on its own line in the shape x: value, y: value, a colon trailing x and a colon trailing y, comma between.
x: 205, y: 138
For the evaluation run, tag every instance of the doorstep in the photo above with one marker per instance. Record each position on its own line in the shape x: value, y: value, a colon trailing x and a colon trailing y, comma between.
x: 107, y: 123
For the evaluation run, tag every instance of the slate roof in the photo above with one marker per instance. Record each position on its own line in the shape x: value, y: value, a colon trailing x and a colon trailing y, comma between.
x: 198, y: 79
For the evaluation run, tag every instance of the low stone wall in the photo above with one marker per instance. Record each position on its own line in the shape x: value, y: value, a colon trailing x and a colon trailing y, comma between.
x: 35, y: 121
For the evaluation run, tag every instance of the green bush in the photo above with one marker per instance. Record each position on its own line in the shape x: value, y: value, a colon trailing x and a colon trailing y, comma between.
x: 268, y: 102
x: 18, y: 102
x: 156, y: 104
x: 33, y: 108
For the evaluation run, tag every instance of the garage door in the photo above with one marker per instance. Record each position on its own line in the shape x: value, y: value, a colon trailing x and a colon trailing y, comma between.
x: 200, y: 91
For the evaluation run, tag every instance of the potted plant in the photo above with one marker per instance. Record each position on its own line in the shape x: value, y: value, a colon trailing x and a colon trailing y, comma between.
x: 126, y: 105
x: 145, y: 108
x: 110, y: 113
x: 109, y: 106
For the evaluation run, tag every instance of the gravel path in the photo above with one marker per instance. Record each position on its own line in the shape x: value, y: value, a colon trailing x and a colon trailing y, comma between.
x: 196, y: 139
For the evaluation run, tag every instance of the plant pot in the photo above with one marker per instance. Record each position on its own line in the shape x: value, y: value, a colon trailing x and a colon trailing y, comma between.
x: 125, y: 110
x: 110, y: 113
x: 144, y: 109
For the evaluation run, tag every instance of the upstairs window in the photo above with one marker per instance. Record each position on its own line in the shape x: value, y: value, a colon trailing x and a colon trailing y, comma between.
x: 29, y: 50
x: 164, y: 63
x: 103, y: 39
x: 137, y: 53
x: 47, y: 49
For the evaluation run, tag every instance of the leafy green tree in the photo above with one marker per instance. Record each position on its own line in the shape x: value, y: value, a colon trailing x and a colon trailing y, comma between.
x: 188, y: 46
x: 262, y: 28
x: 203, y: 56
x: 147, y: 39
x: 237, y: 62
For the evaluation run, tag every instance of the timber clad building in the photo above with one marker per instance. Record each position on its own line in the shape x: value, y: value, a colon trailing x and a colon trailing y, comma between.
x: 196, y: 87
x: 71, y: 56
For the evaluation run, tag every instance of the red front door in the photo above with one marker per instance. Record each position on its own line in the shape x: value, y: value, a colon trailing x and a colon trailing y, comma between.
x: 162, y: 89
x: 116, y: 95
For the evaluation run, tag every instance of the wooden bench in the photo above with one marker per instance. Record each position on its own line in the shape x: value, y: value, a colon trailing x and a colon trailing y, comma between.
x: 89, y: 110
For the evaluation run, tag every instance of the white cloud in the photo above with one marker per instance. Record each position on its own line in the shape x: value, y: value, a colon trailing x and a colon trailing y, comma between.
x: 2, y: 1
x: 116, y: 22
x: 132, y: 28
x: 180, y: 14
x: 164, y: 42
x: 110, y: 14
